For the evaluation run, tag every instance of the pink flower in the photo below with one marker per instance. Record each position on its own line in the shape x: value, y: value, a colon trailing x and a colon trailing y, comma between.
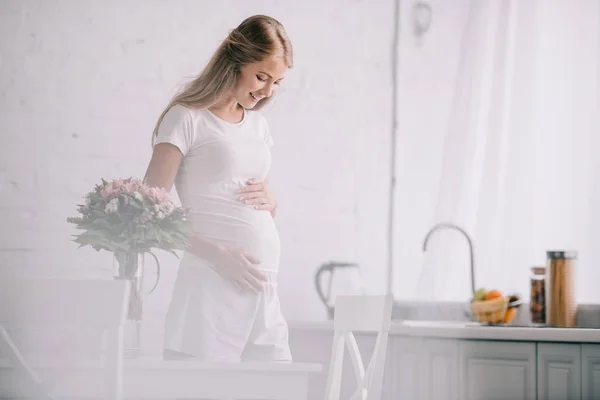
x: 117, y: 183
x: 145, y: 190
x: 106, y: 192
x: 114, y: 188
x: 132, y: 187
x: 158, y: 194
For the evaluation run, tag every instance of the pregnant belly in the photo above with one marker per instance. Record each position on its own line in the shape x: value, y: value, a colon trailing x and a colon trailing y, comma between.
x: 243, y: 226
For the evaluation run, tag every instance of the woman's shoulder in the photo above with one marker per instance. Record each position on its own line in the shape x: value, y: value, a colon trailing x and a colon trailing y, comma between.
x: 181, y: 111
x: 196, y: 117
x: 177, y: 114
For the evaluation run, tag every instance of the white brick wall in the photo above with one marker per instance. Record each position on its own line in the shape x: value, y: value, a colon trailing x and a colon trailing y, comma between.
x: 81, y: 86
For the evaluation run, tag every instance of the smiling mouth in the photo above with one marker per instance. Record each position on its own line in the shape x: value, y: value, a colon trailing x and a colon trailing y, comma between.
x: 254, y: 97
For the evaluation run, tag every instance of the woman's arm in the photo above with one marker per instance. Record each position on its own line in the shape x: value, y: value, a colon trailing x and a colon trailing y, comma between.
x: 163, y: 167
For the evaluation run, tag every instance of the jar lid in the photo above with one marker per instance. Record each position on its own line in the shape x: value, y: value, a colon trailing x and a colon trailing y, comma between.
x: 561, y: 254
x: 538, y: 270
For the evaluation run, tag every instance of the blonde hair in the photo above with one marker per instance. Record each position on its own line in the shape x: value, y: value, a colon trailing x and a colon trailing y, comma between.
x: 256, y: 38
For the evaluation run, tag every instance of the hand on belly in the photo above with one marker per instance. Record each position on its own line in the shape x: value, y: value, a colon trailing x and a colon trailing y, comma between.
x: 238, y: 265
x: 248, y: 230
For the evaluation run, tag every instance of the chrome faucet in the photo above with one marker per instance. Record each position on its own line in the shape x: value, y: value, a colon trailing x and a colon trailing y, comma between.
x: 452, y: 226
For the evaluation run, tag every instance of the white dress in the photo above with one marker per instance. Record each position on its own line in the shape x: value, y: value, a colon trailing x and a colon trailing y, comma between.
x: 208, y: 316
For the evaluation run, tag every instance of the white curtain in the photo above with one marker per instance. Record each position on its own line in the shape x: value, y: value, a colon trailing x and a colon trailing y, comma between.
x: 498, y: 133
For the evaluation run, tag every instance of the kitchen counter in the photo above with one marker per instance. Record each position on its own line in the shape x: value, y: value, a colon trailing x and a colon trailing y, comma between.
x: 470, y: 330
x: 467, y: 359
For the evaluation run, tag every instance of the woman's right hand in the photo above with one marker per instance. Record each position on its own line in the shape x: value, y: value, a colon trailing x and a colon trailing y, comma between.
x: 235, y: 263
x: 231, y: 262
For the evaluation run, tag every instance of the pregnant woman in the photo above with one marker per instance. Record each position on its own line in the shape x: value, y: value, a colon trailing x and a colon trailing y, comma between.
x: 211, y: 142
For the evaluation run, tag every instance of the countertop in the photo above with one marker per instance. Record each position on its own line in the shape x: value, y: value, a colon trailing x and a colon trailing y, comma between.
x: 470, y: 330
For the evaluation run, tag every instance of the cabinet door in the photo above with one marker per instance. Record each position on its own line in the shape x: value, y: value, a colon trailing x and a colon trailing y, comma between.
x: 406, y: 353
x: 440, y: 370
x: 425, y: 369
x: 590, y: 379
x: 497, y: 370
x: 559, y: 371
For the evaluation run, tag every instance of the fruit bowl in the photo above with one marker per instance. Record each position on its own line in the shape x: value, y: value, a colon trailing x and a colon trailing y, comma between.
x: 491, y: 311
x: 499, y: 310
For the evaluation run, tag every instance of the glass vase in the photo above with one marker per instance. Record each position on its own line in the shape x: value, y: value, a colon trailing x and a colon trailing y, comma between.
x: 129, y: 265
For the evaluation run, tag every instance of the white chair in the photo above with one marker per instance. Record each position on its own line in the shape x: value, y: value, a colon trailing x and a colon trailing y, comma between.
x: 359, y: 314
x: 81, y: 306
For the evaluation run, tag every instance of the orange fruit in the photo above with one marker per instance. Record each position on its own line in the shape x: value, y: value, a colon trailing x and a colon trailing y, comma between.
x: 493, y: 294
x: 510, y: 314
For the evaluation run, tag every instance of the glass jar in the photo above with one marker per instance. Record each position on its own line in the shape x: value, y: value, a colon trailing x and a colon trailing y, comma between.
x: 537, y: 301
x: 561, y: 306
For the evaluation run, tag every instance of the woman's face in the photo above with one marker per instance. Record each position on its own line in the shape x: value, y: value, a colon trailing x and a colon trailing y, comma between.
x: 259, y: 80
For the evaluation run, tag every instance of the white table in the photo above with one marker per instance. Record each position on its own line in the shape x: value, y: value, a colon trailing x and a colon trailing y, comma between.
x: 153, y: 378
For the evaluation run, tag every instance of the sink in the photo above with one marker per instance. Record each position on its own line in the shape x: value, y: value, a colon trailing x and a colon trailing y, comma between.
x: 440, y: 324
x: 454, y: 315
x: 458, y: 324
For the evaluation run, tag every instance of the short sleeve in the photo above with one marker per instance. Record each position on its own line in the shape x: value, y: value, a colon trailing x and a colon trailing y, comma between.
x: 268, y: 138
x: 177, y: 128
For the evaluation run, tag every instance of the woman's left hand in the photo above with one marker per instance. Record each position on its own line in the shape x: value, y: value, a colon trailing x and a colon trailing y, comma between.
x: 257, y: 194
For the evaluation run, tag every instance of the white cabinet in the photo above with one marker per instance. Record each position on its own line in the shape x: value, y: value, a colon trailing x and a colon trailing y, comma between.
x: 497, y: 370
x: 424, y: 369
x: 590, y: 377
x: 451, y: 369
x: 559, y: 371
x: 440, y: 370
x: 405, y: 355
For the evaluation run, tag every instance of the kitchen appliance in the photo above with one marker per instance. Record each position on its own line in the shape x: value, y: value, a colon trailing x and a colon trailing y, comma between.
x: 345, y: 278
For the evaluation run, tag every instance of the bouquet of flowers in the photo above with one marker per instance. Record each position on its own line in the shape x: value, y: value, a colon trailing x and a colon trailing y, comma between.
x: 129, y: 218
x: 128, y: 215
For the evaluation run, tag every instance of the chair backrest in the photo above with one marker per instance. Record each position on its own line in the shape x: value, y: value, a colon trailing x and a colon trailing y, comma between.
x: 47, y: 303
x: 363, y: 313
